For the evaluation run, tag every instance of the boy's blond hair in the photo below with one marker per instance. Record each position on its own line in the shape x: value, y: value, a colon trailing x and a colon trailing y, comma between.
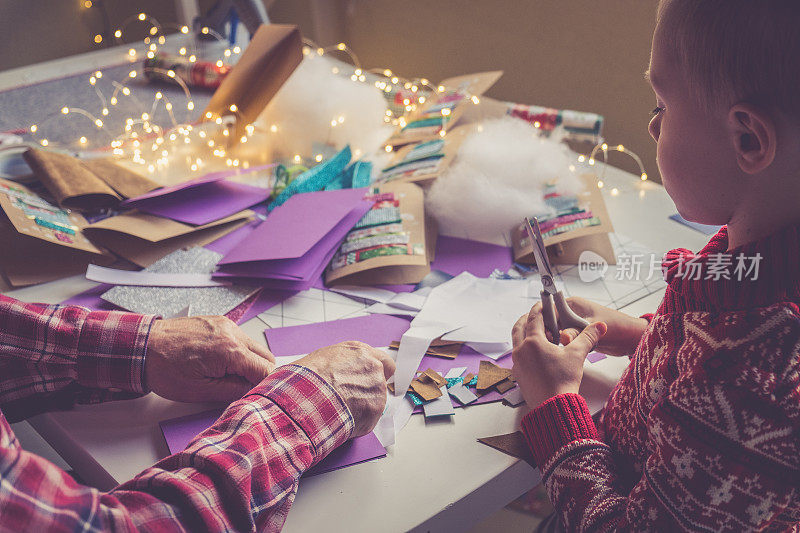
x: 735, y: 51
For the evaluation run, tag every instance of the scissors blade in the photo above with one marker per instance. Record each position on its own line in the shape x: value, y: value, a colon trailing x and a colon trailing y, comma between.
x: 540, y: 254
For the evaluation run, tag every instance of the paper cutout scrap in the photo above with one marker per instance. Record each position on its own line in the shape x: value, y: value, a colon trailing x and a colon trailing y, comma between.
x: 514, y: 398
x: 441, y: 406
x: 512, y: 444
x: 426, y: 390
x: 490, y: 375
x: 505, y: 386
x: 435, y: 377
x: 462, y: 394
x: 468, y: 378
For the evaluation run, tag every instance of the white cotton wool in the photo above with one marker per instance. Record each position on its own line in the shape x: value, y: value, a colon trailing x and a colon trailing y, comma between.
x: 300, y: 118
x: 497, y: 179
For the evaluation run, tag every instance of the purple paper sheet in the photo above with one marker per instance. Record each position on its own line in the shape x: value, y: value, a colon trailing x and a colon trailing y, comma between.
x: 179, y: 432
x: 454, y: 256
x: 294, y: 228
x: 91, y: 299
x: 375, y: 330
x: 204, y: 203
x: 208, y: 178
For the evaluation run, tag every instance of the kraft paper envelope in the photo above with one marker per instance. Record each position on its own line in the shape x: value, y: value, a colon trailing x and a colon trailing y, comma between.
x: 396, y: 269
x: 404, y: 166
x: 298, y: 238
x: 125, y: 182
x: 572, y: 243
x: 272, y: 55
x: 72, y: 184
x: 143, y: 239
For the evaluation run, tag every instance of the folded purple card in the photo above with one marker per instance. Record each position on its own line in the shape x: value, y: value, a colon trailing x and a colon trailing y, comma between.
x: 298, y: 239
x: 203, y: 203
x: 375, y: 330
x: 179, y: 432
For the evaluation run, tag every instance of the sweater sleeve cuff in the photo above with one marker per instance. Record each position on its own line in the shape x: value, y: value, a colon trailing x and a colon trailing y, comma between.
x: 312, y: 404
x: 555, y: 423
x: 111, y: 350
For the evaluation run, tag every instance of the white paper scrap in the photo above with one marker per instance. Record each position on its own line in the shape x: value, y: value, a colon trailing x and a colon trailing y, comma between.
x: 373, y: 294
x: 113, y: 276
x: 441, y: 406
x: 455, y: 372
x: 462, y: 394
x: 514, y: 397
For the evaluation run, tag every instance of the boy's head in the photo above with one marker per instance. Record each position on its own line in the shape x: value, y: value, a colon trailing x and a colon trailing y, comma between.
x: 726, y: 74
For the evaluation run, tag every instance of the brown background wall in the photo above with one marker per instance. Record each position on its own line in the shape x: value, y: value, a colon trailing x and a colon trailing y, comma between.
x: 579, y: 54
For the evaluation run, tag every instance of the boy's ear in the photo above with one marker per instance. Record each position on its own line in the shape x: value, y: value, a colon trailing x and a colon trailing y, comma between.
x: 754, y: 137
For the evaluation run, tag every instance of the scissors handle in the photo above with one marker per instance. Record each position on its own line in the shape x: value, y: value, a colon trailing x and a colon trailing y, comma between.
x: 558, y: 315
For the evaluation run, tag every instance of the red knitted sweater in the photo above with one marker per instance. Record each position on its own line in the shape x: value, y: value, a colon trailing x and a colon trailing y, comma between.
x: 702, y: 432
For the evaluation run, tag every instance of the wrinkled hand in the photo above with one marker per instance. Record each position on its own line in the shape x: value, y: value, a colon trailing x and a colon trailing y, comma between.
x: 624, y: 331
x: 544, y: 370
x: 358, y: 372
x: 203, y: 358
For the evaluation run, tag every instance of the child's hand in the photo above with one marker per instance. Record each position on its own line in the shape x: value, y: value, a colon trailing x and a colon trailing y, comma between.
x: 544, y: 370
x: 624, y: 331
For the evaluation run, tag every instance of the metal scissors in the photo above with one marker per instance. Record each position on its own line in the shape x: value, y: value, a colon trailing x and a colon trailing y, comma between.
x: 556, y: 312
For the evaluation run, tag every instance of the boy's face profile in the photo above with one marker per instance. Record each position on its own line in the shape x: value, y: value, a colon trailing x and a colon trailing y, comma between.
x: 695, y: 158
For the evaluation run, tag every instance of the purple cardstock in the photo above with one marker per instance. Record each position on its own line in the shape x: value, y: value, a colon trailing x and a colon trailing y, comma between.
x: 375, y: 330
x: 179, y: 432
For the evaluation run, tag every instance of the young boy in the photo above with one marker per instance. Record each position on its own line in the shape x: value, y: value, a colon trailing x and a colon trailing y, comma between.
x: 702, y: 432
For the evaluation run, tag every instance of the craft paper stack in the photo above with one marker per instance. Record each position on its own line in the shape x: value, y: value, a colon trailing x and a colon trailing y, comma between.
x: 292, y: 247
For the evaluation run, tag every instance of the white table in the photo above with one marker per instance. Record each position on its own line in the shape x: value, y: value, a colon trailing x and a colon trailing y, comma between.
x: 437, y: 477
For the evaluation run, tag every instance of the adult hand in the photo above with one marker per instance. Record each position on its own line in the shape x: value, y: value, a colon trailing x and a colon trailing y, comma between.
x: 358, y: 372
x: 203, y: 358
x: 543, y: 369
x: 624, y: 331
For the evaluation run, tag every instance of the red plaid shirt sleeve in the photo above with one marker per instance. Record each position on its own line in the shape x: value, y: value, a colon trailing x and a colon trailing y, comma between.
x: 53, y: 356
x: 239, y: 475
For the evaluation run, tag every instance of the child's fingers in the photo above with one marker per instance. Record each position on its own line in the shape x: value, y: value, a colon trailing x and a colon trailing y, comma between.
x: 534, y: 327
x: 568, y: 335
x: 586, y: 341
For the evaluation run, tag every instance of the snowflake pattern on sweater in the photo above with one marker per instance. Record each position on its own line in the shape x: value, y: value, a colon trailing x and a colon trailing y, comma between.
x: 702, y: 432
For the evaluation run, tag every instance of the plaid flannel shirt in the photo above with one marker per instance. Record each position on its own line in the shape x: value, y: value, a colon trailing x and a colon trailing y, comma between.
x: 239, y: 475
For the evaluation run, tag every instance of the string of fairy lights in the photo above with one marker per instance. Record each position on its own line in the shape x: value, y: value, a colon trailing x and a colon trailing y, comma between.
x: 151, y: 145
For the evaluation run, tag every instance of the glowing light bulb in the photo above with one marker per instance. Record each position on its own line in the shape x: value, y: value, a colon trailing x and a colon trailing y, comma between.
x: 204, y: 30
x: 600, y: 184
x: 387, y: 72
x: 132, y: 74
x: 44, y: 142
x: 644, y: 176
x: 318, y: 158
x: 243, y: 139
x: 190, y: 105
x: 475, y: 100
x: 145, y: 116
x: 227, y: 53
x: 98, y: 38
x: 333, y: 122
x: 445, y: 112
x: 591, y: 161
x: 92, y: 80
x: 219, y: 120
x: 237, y: 50
x: 98, y: 123
x: 34, y: 128
x: 153, y: 30
x: 65, y: 110
x: 192, y: 58
x: 395, y: 79
x: 151, y: 54
x: 581, y: 158
x: 126, y: 91
x: 168, y: 106
x: 388, y: 148
x: 297, y: 158
x: 132, y: 52
x: 604, y: 147
x: 233, y: 108
x: 118, y: 34
x: 614, y: 191
x: 161, y: 39
x: 620, y: 148
x: 341, y: 46
x: 184, y: 29
x: 219, y: 63
x: 273, y: 128
x: 83, y: 140
x: 105, y: 111
x: 440, y: 88
x: 142, y: 16
x: 171, y: 73
x: 87, y: 4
